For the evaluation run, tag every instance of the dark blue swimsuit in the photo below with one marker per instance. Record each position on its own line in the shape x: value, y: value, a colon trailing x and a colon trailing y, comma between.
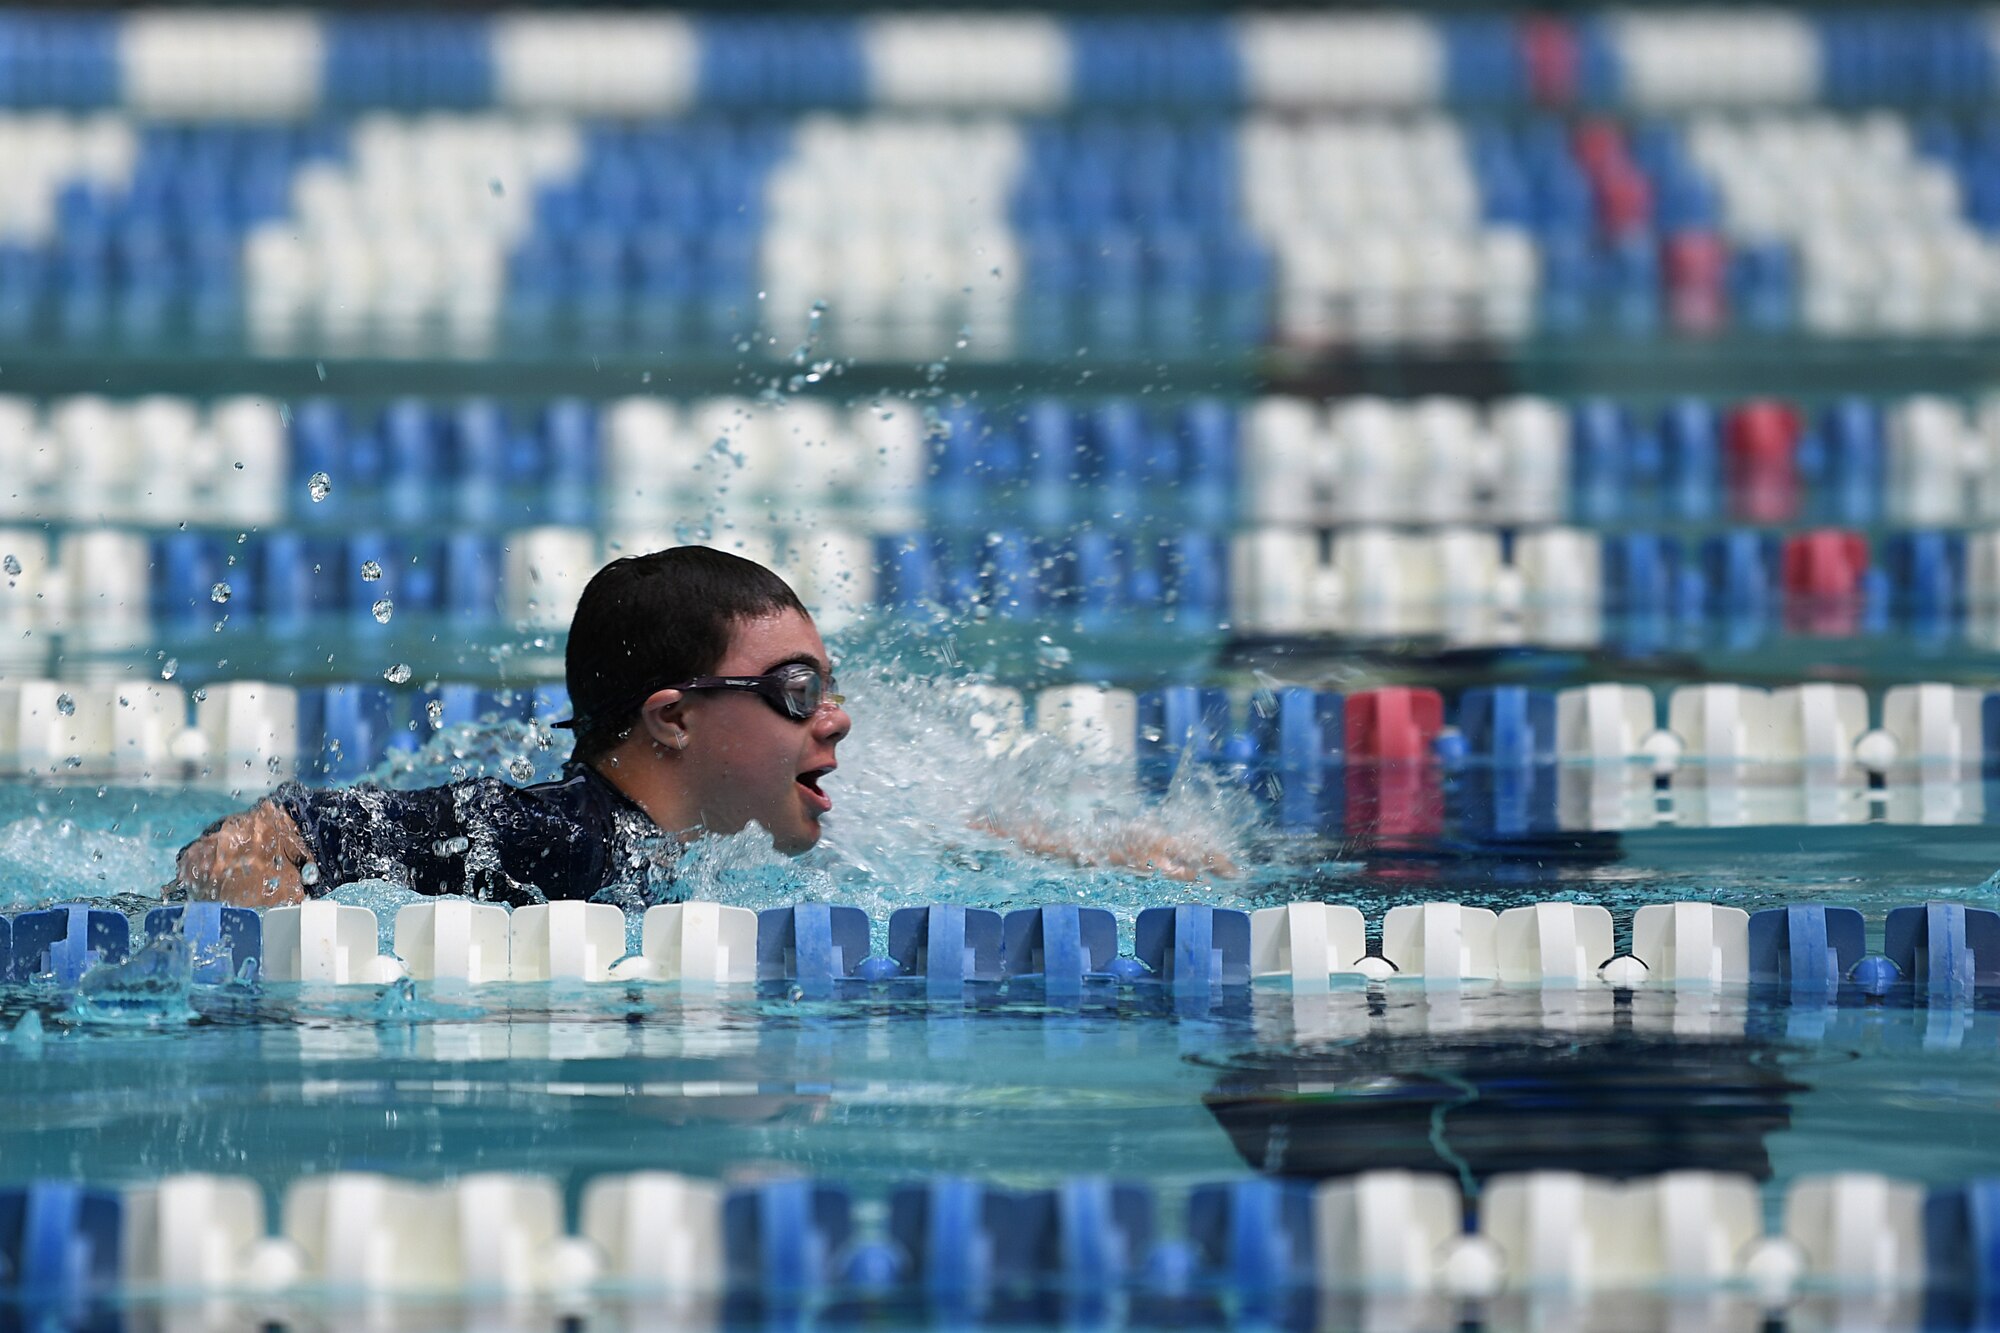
x: 576, y: 836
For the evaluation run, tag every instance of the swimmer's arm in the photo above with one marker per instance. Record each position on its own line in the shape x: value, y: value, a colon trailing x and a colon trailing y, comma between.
x: 252, y: 859
x: 1141, y: 844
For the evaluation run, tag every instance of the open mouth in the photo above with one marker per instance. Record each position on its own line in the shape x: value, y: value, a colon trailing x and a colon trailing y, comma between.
x: 809, y: 780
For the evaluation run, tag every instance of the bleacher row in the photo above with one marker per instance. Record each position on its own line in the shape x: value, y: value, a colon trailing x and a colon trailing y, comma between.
x: 1943, y: 952
x: 1922, y: 461
x: 1259, y: 1246
x: 300, y: 62
x: 891, y: 236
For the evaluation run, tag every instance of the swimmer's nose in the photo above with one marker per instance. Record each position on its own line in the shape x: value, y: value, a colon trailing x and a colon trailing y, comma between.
x: 832, y: 723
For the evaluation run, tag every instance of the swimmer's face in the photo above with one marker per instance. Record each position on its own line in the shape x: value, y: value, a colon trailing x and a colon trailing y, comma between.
x: 745, y: 760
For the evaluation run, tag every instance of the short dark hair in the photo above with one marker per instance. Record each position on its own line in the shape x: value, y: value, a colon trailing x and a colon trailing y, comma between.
x: 647, y: 621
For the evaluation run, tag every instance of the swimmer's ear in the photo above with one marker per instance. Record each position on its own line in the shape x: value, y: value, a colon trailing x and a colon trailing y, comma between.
x: 660, y: 715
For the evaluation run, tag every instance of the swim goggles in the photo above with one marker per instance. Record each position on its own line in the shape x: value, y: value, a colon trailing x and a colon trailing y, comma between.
x: 795, y: 690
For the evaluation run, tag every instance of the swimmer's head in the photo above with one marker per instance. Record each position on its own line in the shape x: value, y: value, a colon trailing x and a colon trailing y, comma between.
x: 722, y: 754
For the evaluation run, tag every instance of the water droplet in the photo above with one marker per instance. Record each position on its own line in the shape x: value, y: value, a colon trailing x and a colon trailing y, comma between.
x: 66, y: 705
x: 11, y: 565
x: 435, y: 712
x: 496, y: 187
x: 397, y: 674
x: 451, y: 846
x: 169, y: 667
x: 320, y: 366
x: 1051, y: 654
x: 383, y: 609
x: 520, y: 769
x: 238, y: 465
x: 370, y: 571
x: 309, y: 873
x: 219, y: 593
x: 200, y: 694
x: 319, y: 486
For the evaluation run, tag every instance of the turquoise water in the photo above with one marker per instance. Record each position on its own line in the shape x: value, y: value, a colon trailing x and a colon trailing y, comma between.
x: 139, y: 1074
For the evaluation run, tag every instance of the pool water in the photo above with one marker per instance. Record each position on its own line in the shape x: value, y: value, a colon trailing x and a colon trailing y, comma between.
x: 139, y: 1074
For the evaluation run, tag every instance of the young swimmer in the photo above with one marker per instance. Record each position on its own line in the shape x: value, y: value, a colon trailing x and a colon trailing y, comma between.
x: 703, y: 700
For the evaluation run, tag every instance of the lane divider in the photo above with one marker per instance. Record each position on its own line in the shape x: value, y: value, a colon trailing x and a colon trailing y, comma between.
x: 966, y: 1244
x: 1939, y: 952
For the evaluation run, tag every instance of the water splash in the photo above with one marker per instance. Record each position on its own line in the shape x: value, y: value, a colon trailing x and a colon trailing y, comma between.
x: 46, y: 858
x: 27, y: 1036
x: 152, y: 988
x: 384, y: 899
x: 918, y: 798
x: 928, y: 810
x: 399, y: 1001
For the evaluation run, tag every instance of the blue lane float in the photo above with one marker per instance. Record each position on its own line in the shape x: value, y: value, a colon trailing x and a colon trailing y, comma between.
x: 1193, y: 946
x: 1084, y: 1236
x: 59, y: 1242
x: 780, y: 1239
x: 222, y: 941
x: 1249, y: 1248
x: 64, y: 942
x: 1255, y: 1238
x: 1062, y: 945
x: 946, y: 944
x: 1932, y: 954
x: 948, y: 1227
x: 1946, y: 949
x: 1807, y: 948
x: 812, y: 943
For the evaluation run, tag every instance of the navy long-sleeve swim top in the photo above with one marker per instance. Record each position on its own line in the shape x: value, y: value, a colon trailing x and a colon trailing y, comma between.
x: 574, y: 836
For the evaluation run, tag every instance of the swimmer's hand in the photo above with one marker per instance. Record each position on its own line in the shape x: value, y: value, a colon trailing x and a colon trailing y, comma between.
x: 1141, y: 844
x: 248, y: 860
